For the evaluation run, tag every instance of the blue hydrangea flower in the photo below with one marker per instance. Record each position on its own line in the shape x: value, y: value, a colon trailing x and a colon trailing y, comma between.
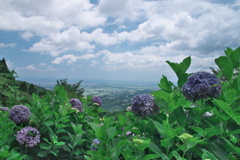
x: 95, y: 144
x: 143, y: 104
x: 76, y: 103
x: 97, y: 100
x: 19, y: 113
x: 201, y: 85
x: 29, y: 136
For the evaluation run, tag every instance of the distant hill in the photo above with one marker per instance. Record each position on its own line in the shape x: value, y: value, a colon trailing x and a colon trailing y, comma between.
x: 39, y: 89
x: 12, y: 91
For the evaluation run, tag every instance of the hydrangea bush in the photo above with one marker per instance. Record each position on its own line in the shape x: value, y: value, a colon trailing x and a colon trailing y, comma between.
x: 201, y: 85
x: 97, y: 100
x: 29, y: 136
x: 196, y: 119
x: 144, y: 104
x: 76, y: 103
x: 20, y: 113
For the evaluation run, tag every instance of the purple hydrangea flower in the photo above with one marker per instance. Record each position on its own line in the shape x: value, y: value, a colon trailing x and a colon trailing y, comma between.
x: 95, y: 144
x: 19, y: 113
x: 76, y: 103
x: 143, y: 104
x: 4, y: 109
x: 29, y: 136
x: 97, y: 100
x: 201, y: 85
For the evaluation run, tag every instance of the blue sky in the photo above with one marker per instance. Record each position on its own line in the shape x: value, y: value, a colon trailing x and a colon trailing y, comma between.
x: 114, y: 40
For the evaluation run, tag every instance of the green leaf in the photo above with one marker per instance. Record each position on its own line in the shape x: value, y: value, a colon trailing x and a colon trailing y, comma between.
x: 175, y: 66
x: 48, y: 123
x: 155, y: 148
x: 122, y: 120
x: 151, y: 156
x: 45, y: 146
x: 225, y: 65
x: 42, y: 154
x: 101, y: 134
x: 166, y: 143
x: 54, y: 153
x: 66, y: 148
x: 145, y: 144
x: 220, y: 151
x: 165, y: 84
x: 185, y: 64
x: 180, y: 70
x: 208, y: 155
x: 111, y: 132
x: 233, y: 147
x: 94, y: 126
x: 235, y: 57
x: 230, y: 95
x: 159, y: 128
x: 228, y: 51
x: 60, y: 143
x: 227, y: 109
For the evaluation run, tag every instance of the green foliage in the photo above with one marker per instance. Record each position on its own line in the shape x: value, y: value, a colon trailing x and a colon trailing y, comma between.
x: 73, y: 90
x: 182, y: 130
x: 23, y: 87
x: 180, y: 70
x: 8, y: 88
x: 32, y: 89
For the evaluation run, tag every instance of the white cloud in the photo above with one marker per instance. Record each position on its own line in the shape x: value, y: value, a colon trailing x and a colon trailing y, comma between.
x: 130, y: 34
x: 50, y: 68
x: 70, y: 58
x: 27, y: 35
x: 42, y: 68
x: 122, y: 9
x: 31, y: 67
x: 4, y: 45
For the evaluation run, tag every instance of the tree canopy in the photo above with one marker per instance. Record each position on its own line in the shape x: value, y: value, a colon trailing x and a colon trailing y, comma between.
x: 73, y: 90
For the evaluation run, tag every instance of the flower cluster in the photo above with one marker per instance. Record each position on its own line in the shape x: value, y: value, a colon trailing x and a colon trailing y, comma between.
x: 143, y: 104
x: 95, y: 144
x: 19, y: 113
x: 201, y: 85
x: 76, y: 103
x: 97, y: 100
x: 29, y: 136
x: 6, y: 109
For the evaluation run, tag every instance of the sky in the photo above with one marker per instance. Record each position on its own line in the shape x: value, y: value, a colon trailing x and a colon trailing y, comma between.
x: 126, y: 40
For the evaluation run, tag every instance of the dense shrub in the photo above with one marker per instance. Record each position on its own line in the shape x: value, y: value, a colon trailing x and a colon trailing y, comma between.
x: 204, y: 125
